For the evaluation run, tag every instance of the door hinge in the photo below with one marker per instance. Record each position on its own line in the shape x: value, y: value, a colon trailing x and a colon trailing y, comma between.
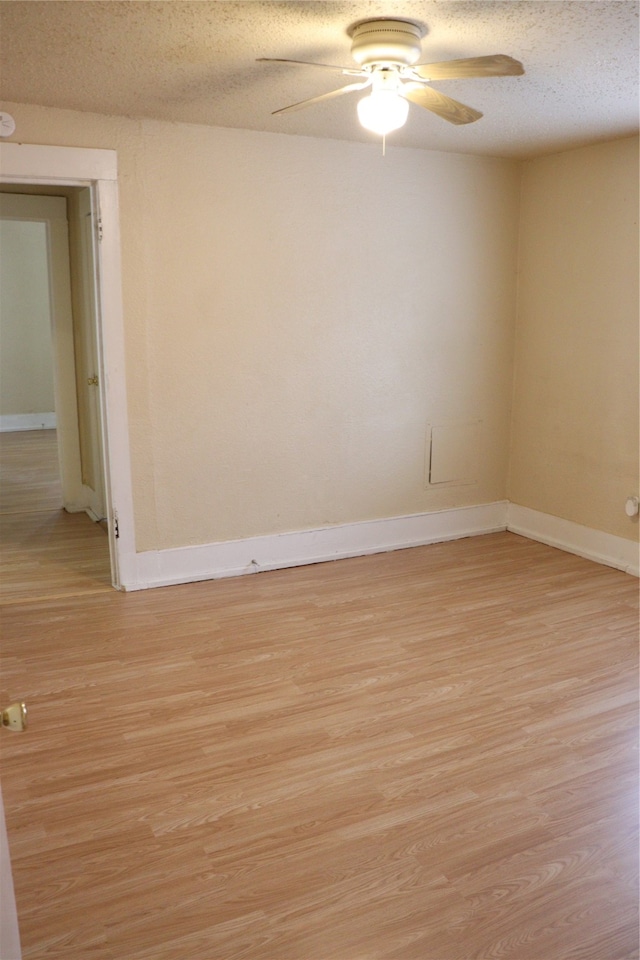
x: 116, y: 528
x: 99, y: 225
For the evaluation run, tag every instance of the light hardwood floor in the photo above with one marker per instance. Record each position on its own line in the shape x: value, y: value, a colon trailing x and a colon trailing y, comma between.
x: 46, y: 552
x: 423, y: 755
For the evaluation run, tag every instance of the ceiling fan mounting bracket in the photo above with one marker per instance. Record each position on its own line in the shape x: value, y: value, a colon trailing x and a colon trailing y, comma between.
x: 394, y: 42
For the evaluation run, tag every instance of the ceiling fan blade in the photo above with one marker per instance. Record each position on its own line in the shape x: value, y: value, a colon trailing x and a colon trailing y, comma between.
x: 322, y: 66
x: 498, y: 65
x: 445, y: 107
x: 324, y: 96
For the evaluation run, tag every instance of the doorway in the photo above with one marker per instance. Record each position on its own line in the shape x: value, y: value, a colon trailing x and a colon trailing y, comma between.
x: 51, y: 443
x: 32, y: 168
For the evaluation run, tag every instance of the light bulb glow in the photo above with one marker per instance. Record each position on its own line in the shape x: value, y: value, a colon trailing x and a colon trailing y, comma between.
x: 383, y: 111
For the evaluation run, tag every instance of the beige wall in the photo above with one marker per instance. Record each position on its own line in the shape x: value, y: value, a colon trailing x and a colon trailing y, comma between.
x: 26, y: 364
x: 297, y: 311
x: 575, y: 414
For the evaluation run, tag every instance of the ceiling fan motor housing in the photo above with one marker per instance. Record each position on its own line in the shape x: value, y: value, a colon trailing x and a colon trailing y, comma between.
x: 386, y: 41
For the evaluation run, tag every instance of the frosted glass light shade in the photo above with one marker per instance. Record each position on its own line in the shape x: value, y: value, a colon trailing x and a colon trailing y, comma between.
x: 383, y: 111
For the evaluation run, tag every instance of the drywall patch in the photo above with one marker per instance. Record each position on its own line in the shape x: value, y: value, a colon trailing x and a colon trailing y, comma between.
x: 453, y: 453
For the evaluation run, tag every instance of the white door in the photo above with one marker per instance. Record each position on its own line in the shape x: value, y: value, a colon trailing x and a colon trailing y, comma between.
x: 83, y: 286
x: 9, y: 934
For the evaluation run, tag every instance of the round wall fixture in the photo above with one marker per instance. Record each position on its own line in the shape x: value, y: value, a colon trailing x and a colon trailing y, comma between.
x: 7, y: 125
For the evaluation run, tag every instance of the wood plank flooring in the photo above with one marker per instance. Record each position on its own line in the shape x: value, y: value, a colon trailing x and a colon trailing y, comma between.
x: 422, y: 755
x: 46, y: 552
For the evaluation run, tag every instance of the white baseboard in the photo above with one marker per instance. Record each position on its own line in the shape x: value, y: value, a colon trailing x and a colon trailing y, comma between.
x: 232, y: 558
x: 573, y: 538
x: 236, y: 557
x: 15, y: 422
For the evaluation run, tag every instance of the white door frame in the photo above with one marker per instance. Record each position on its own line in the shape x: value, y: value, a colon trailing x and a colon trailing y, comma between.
x: 75, y: 166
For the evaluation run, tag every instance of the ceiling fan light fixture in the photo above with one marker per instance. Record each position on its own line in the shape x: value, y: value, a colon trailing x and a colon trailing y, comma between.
x: 383, y: 111
x: 387, y: 52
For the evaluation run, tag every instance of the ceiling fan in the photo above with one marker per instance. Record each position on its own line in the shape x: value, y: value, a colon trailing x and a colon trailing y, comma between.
x: 387, y: 52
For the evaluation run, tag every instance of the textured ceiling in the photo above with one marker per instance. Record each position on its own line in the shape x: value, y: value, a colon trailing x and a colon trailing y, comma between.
x: 195, y: 62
